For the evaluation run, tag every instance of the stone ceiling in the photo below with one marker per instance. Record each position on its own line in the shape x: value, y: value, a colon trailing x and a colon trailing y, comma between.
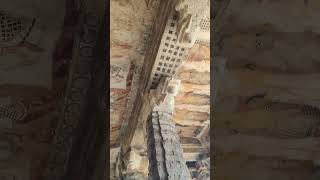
x: 130, y: 24
x: 129, y: 32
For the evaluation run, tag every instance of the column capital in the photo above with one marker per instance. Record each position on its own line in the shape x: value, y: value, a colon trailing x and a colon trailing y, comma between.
x: 190, y: 15
x: 169, y: 89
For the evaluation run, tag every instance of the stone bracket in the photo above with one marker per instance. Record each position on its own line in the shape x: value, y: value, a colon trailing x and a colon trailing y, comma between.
x: 190, y: 16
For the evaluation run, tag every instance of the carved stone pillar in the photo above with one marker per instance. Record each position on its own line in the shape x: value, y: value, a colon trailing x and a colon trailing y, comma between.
x: 164, y: 150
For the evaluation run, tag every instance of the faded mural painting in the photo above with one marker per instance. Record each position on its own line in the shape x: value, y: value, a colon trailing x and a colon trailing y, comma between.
x: 28, y: 109
x: 127, y: 40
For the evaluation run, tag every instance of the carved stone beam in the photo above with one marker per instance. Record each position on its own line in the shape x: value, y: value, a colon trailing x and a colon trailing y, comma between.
x: 193, y: 21
x: 81, y: 123
x: 161, y: 99
x: 150, y: 75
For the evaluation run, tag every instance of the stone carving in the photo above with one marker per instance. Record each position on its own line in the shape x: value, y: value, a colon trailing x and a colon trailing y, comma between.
x: 134, y: 176
x: 152, y: 4
x: 191, y: 13
x: 296, y: 127
x: 169, y: 91
x: 11, y: 110
x: 75, y: 100
x: 10, y: 28
x: 133, y: 92
x: 313, y: 113
x: 170, y: 55
x: 277, y: 119
x: 145, y: 41
x: 202, y: 167
x: 164, y: 150
x: 136, y: 163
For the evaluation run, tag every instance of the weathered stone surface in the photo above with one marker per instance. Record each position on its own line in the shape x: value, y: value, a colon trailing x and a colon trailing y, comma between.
x: 191, y: 12
x: 163, y: 13
x: 253, y: 12
x: 164, y: 150
x: 129, y: 31
x: 263, y: 89
x: 184, y: 115
x: 25, y: 135
x: 290, y: 88
x: 270, y: 119
x: 193, y: 99
x: 81, y: 124
x: 293, y: 149
x: 114, y: 157
x: 266, y: 48
x: 252, y: 167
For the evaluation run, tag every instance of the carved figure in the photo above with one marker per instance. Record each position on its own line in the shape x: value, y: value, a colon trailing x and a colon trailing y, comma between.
x: 191, y: 12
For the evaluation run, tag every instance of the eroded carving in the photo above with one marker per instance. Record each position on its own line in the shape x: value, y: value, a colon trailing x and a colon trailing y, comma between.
x: 191, y: 13
x: 75, y: 101
x: 11, y: 110
x: 164, y: 150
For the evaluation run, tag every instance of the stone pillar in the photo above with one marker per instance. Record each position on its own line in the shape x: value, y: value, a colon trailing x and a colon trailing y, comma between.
x: 164, y: 150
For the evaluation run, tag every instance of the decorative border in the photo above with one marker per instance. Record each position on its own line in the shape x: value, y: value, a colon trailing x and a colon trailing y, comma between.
x: 80, y: 78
